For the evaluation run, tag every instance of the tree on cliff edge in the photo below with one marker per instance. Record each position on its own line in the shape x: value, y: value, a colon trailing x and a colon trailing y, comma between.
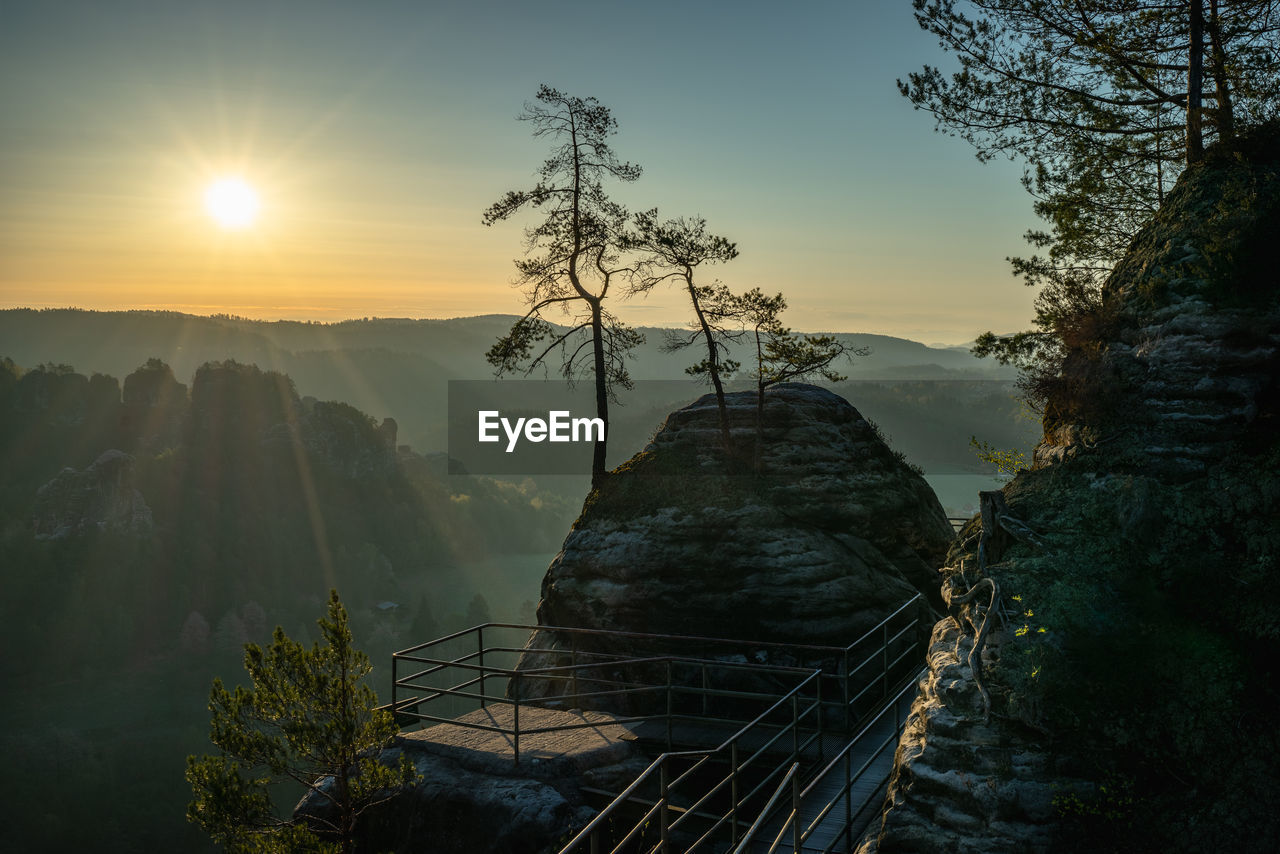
x: 1105, y: 102
x: 308, y: 720
x: 573, y: 256
x: 782, y: 355
x: 674, y: 250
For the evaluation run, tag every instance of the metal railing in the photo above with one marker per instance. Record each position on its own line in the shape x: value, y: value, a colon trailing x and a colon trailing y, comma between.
x: 705, y: 796
x: 857, y: 677
x: 664, y: 688
x: 865, y: 750
x: 700, y: 796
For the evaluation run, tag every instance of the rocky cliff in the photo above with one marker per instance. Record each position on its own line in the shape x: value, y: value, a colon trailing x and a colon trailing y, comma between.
x: 834, y: 533
x: 102, y: 496
x: 831, y: 534
x: 1134, y: 674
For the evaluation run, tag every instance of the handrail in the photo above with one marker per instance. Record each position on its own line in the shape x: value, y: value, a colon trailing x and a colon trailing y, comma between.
x: 683, y: 639
x: 659, y: 764
x: 756, y: 825
x: 880, y: 625
x: 804, y: 675
x: 792, y: 819
x: 613, y: 672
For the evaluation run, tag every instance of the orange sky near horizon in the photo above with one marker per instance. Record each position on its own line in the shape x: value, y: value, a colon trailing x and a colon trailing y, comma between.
x: 376, y: 141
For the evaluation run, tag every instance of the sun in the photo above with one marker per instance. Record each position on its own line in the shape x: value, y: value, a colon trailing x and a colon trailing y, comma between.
x: 232, y: 202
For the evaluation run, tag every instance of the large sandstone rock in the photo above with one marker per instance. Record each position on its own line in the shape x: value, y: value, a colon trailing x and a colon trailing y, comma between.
x: 1137, y: 673
x: 472, y: 797
x: 836, y: 533
x: 1189, y: 364
x: 102, y: 497
x: 961, y: 784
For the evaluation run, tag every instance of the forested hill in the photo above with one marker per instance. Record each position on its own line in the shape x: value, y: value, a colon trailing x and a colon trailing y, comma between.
x: 127, y: 507
x: 117, y: 341
x: 150, y: 527
x: 400, y: 368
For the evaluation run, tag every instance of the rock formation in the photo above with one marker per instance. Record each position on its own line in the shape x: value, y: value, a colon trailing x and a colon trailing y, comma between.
x: 1133, y: 683
x: 154, y: 406
x: 962, y: 785
x: 102, y: 496
x: 471, y: 797
x: 834, y: 534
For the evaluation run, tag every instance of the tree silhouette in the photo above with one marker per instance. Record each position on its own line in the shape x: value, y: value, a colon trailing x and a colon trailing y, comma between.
x: 674, y: 250
x: 573, y: 256
x: 782, y: 355
x: 1104, y: 101
x: 478, y: 611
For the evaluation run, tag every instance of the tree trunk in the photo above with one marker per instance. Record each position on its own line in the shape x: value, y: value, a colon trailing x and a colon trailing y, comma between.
x: 758, y: 461
x: 713, y: 365
x: 1195, y: 74
x: 598, y: 465
x: 1226, y: 120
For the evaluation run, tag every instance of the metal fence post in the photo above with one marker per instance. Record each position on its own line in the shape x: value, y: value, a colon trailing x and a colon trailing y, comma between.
x: 395, y: 707
x: 515, y: 718
x: 795, y: 727
x: 480, y: 650
x: 822, y: 747
x: 844, y: 689
x: 733, y: 790
x: 662, y: 800
x: 669, y: 706
x: 795, y: 806
x: 848, y: 802
x: 573, y: 672
x: 884, y: 649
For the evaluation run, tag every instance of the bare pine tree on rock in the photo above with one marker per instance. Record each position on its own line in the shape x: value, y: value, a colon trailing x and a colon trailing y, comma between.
x: 673, y: 252
x: 574, y: 257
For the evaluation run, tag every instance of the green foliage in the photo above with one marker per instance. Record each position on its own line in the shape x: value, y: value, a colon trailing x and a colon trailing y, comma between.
x: 673, y: 251
x: 1143, y: 641
x: 1093, y: 98
x: 1007, y: 463
x: 307, y: 719
x: 782, y: 355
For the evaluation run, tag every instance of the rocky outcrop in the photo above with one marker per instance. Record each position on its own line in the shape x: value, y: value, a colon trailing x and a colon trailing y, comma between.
x: 154, y: 406
x: 101, y: 497
x: 471, y: 796
x: 347, y: 442
x: 836, y: 532
x: 1189, y: 364
x: 1136, y: 674
x: 963, y: 785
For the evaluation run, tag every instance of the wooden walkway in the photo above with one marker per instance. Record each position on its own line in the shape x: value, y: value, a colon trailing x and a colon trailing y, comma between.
x: 856, y: 812
x: 872, y: 753
x: 482, y: 740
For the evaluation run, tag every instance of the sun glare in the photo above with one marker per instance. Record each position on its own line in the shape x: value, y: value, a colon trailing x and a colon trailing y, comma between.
x: 232, y: 203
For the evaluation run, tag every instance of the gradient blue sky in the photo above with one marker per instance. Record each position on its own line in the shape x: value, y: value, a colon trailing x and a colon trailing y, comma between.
x: 378, y: 131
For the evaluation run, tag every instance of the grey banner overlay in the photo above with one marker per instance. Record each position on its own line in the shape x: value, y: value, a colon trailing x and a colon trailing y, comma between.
x: 520, y: 447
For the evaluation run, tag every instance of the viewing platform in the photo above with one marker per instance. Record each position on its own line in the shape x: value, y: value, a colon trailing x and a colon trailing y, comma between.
x: 728, y: 751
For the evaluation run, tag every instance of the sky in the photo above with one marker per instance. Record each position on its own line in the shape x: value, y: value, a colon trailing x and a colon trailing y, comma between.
x: 376, y: 132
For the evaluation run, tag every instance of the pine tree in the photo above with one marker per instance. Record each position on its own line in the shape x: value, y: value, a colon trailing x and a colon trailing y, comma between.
x: 674, y: 250
x: 306, y: 720
x: 575, y: 255
x: 782, y: 355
